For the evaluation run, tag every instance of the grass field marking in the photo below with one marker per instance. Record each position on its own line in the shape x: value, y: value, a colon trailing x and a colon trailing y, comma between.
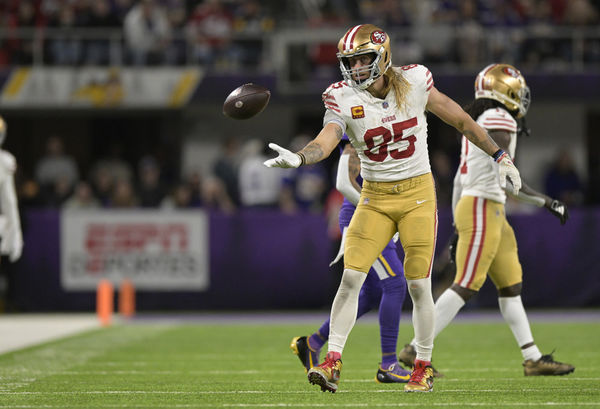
x: 318, y: 405
x: 255, y: 392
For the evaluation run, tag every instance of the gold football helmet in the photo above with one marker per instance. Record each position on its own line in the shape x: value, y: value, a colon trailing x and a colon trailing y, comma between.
x: 505, y: 84
x: 360, y: 40
x: 2, y: 130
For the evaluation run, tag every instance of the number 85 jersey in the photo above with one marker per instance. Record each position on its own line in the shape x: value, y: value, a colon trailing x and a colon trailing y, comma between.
x: 391, y: 141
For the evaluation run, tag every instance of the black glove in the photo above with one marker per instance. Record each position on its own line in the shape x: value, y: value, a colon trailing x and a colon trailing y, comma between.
x: 559, y: 209
x: 452, y: 247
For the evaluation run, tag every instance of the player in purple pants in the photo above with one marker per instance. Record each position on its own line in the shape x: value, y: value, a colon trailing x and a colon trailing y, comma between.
x: 384, y: 287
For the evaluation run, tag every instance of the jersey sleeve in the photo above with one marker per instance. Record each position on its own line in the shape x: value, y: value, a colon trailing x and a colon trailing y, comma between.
x: 8, y: 163
x: 498, y: 119
x: 333, y: 112
x: 419, y: 77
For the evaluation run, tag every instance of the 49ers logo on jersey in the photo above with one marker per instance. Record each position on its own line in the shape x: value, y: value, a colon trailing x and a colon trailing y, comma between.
x: 378, y: 37
x: 357, y: 112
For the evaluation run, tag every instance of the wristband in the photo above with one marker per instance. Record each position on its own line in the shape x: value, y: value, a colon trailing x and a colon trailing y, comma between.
x: 302, y: 158
x: 498, y: 154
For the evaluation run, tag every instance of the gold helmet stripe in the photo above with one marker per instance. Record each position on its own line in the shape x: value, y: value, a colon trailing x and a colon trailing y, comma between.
x: 349, y: 39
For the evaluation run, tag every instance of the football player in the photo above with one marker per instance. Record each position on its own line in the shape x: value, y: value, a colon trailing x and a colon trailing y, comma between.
x: 383, y: 111
x: 384, y: 287
x: 10, y: 223
x: 486, y: 242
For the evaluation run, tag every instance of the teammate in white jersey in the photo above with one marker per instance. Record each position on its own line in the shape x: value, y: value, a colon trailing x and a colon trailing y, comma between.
x: 11, y: 243
x: 382, y: 109
x: 486, y: 242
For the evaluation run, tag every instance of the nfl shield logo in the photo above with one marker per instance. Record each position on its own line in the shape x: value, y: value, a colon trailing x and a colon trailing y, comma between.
x: 385, y: 105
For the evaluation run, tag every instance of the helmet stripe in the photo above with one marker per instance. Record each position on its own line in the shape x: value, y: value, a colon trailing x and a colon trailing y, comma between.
x: 349, y: 39
x: 482, y: 74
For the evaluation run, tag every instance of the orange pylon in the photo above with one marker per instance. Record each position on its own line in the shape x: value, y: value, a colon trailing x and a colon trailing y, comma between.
x: 127, y: 298
x: 105, y: 302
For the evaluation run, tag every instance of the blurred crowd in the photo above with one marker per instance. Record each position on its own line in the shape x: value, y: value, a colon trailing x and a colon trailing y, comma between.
x: 235, y: 180
x: 229, y: 34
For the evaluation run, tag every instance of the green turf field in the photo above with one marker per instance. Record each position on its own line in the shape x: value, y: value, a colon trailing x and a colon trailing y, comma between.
x: 213, y: 366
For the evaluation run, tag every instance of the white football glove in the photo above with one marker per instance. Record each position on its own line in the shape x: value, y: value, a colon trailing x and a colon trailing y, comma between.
x: 508, y: 169
x: 12, y: 246
x: 285, y: 158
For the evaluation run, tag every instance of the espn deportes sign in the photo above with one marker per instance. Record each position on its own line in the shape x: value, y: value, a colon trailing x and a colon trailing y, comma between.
x: 156, y: 250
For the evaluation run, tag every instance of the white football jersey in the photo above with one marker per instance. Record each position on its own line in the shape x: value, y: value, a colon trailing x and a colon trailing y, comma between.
x: 478, y: 172
x: 391, y: 143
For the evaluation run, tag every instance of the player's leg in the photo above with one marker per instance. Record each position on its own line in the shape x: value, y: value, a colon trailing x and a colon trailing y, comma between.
x: 479, y: 229
x: 417, y: 226
x: 388, y: 269
x: 507, y: 275
x: 308, y: 348
x: 368, y: 233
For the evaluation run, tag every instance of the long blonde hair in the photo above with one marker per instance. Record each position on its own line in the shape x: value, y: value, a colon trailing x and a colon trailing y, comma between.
x: 400, y: 84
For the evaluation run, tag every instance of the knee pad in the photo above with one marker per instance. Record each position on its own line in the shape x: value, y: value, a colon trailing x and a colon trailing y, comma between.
x: 419, y: 288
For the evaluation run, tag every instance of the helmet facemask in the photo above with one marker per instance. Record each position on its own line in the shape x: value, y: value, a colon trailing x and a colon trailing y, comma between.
x: 350, y: 73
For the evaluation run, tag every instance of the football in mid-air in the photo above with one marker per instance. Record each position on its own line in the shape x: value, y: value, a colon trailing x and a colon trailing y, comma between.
x: 246, y: 101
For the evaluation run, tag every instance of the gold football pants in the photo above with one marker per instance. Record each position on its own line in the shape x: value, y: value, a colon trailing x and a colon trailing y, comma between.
x: 486, y: 245
x: 408, y: 207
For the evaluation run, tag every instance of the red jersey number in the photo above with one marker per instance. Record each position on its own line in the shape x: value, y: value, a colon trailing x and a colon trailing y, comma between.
x: 398, y: 129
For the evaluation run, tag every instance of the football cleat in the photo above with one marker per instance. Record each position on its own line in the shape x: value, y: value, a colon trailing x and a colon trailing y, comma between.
x: 546, y: 365
x: 421, y: 378
x: 327, y: 374
x: 307, y: 356
x: 407, y: 356
x: 394, y: 374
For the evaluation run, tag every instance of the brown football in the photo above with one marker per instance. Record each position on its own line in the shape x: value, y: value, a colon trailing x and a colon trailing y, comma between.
x: 246, y: 101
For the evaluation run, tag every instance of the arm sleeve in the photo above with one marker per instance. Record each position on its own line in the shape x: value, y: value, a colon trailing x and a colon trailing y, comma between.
x: 525, y: 198
x: 12, y: 241
x: 343, y: 183
x: 456, y: 191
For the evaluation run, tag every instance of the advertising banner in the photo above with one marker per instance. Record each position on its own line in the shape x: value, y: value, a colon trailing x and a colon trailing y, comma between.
x: 99, y: 87
x: 156, y: 250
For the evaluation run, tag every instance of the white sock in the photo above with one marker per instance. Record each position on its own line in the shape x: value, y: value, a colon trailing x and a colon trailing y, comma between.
x: 446, y: 307
x: 423, y: 316
x: 514, y: 314
x: 344, y: 309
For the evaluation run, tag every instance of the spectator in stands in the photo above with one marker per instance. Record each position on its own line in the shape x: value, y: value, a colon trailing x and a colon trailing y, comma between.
x: 226, y: 167
x: 147, y: 32
x: 151, y: 190
x: 259, y: 187
x: 123, y: 195
x: 82, y: 198
x: 210, y: 31
x: 304, y: 188
x: 63, y: 47
x: 215, y: 197
x: 56, y: 165
x: 253, y: 21
x: 102, y: 186
x: 562, y: 180
x: 25, y: 16
x: 180, y: 197
x: 100, y: 17
x: 114, y: 164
